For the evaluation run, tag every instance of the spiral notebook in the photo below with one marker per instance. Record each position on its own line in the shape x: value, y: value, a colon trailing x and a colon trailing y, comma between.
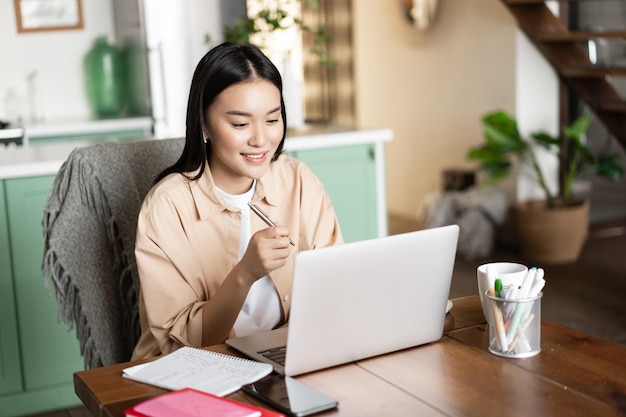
x: 203, y: 370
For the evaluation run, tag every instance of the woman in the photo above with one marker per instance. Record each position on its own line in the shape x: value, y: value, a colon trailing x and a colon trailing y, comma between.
x: 209, y: 269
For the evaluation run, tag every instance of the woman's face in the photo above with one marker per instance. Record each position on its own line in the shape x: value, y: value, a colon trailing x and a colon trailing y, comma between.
x: 245, y: 127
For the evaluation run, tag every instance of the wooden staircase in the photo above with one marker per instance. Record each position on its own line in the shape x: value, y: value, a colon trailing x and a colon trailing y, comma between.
x: 564, y: 50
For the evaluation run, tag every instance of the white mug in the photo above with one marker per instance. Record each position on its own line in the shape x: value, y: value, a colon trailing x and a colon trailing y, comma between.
x: 510, y: 273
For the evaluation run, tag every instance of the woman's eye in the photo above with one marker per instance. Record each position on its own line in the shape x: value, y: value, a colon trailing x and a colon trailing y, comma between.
x: 239, y: 125
x: 272, y: 121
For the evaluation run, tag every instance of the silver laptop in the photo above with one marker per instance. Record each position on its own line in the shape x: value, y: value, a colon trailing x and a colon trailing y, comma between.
x: 359, y: 300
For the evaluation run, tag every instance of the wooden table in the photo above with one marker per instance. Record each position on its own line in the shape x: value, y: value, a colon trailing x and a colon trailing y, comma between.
x: 575, y: 375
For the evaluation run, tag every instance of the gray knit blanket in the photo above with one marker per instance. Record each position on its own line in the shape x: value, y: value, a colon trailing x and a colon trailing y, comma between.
x: 89, y: 226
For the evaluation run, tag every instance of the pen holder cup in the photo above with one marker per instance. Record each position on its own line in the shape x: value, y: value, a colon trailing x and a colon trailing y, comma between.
x: 514, y: 326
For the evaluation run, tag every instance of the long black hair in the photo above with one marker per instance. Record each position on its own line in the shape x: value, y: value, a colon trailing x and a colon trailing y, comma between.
x: 226, y: 64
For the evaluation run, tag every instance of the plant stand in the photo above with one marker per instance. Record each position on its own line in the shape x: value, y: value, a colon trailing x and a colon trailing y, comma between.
x: 552, y: 236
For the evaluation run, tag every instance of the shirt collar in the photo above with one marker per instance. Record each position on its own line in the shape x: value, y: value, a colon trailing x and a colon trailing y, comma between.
x: 210, y: 202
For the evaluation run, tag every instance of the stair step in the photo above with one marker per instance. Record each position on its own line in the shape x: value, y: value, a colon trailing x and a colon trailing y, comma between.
x: 580, y: 35
x: 523, y: 1
x: 514, y: 2
x: 566, y: 52
x: 617, y: 106
x: 591, y: 71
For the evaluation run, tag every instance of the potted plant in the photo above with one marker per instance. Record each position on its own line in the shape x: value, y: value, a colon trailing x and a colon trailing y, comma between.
x: 278, y: 16
x: 552, y: 230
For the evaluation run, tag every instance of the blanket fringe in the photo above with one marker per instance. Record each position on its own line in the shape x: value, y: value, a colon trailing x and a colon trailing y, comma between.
x: 69, y: 309
x: 68, y: 295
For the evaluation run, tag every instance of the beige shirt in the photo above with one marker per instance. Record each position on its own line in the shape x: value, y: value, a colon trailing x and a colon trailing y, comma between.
x: 188, y: 241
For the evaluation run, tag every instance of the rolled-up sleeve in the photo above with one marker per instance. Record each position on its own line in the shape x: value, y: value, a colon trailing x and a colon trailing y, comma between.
x: 170, y: 277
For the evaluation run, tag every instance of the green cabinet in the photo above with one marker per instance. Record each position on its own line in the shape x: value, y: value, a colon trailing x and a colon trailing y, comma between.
x: 10, y: 373
x: 349, y: 176
x: 39, y: 352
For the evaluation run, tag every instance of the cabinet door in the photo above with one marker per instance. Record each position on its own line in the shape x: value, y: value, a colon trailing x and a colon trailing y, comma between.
x: 10, y: 374
x: 50, y: 352
x: 349, y: 176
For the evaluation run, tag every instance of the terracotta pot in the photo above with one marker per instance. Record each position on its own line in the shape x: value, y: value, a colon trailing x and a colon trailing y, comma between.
x: 552, y: 236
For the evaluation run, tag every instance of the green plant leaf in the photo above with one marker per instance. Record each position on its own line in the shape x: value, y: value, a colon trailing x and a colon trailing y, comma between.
x: 546, y: 140
x: 578, y: 127
x: 496, y: 170
x: 503, y: 141
x: 240, y: 31
x: 486, y: 153
x: 608, y: 167
x: 501, y: 132
x: 273, y: 18
x: 576, y: 133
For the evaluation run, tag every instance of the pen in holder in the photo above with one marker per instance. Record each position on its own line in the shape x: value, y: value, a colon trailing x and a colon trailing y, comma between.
x: 514, y: 325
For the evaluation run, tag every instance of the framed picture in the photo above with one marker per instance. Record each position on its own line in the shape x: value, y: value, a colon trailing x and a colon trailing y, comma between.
x: 40, y: 15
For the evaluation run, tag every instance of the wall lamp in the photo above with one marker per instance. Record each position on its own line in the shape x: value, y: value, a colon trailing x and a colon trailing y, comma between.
x: 420, y: 13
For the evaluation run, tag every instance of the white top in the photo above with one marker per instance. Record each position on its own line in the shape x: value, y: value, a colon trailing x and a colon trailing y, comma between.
x: 261, y: 311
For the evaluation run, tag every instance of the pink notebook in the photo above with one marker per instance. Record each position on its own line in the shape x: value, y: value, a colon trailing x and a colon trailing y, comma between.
x: 189, y: 402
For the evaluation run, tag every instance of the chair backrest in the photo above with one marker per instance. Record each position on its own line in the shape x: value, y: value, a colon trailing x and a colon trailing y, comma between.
x: 89, y: 227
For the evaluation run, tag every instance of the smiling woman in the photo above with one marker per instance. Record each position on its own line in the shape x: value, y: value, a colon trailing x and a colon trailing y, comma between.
x: 40, y: 15
x: 208, y: 270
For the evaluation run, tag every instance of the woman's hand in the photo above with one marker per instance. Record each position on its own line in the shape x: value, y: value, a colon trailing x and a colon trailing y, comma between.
x: 267, y: 250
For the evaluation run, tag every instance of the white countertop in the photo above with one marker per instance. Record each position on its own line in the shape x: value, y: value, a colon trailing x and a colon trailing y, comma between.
x: 90, y: 127
x: 315, y: 137
x: 46, y: 159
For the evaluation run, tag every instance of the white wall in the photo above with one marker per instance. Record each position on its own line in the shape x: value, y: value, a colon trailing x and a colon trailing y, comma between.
x: 431, y: 88
x: 537, y: 103
x: 58, y: 58
x: 175, y: 36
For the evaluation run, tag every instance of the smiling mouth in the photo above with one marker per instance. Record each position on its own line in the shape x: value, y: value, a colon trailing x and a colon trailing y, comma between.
x: 254, y: 156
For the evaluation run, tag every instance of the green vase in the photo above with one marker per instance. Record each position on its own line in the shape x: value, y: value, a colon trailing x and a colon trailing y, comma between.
x: 136, y: 75
x: 104, y: 74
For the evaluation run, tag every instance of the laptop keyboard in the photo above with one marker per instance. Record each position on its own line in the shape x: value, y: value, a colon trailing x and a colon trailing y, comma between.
x: 275, y: 354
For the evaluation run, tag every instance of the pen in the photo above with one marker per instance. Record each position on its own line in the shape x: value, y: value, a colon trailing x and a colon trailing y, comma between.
x: 517, y: 314
x: 266, y: 219
x: 511, y: 294
x: 520, y: 337
x: 535, y: 289
x: 499, y: 324
x: 498, y: 287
